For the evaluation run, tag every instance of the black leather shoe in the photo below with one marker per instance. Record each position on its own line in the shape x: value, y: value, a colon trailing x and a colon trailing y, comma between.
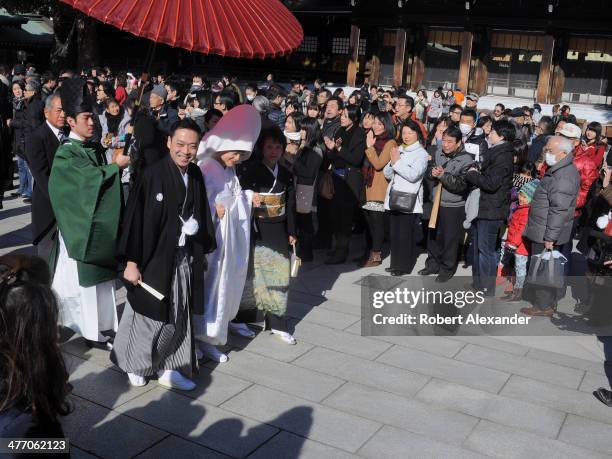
x: 397, y: 272
x: 604, y: 396
x: 444, y: 277
x: 27, y: 200
x: 426, y: 272
x: 389, y: 270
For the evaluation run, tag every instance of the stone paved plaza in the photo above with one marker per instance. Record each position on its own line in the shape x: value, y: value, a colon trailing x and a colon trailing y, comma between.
x: 337, y: 394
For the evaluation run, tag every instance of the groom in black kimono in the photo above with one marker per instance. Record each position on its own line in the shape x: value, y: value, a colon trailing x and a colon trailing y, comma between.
x: 166, y: 234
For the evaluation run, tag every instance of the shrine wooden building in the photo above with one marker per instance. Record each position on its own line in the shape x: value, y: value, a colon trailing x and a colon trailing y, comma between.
x: 548, y: 50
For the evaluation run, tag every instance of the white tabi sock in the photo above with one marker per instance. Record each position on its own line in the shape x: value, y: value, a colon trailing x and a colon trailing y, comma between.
x: 286, y: 337
x: 213, y: 353
x: 241, y: 329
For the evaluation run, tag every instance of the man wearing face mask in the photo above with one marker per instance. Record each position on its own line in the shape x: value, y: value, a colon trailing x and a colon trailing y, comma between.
x: 250, y: 92
x: 474, y: 143
x: 552, y: 212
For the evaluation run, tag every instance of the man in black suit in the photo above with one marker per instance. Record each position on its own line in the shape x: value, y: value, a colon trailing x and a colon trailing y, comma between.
x: 41, y: 148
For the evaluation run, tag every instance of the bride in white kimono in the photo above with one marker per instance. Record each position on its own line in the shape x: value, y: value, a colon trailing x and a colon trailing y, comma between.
x: 229, y: 143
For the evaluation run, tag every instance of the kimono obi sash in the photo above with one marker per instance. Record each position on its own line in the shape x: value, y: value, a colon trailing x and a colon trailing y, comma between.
x: 272, y: 205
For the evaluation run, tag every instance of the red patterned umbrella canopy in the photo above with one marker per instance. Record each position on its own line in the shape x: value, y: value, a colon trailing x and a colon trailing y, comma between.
x: 234, y: 28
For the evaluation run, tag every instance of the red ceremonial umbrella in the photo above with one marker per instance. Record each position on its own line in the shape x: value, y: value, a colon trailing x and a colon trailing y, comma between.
x: 234, y: 28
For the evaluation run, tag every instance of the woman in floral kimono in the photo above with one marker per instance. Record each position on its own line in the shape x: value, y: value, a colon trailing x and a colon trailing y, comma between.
x: 267, y: 284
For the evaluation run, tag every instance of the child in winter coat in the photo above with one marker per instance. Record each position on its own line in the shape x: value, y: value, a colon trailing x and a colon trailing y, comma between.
x: 516, y: 247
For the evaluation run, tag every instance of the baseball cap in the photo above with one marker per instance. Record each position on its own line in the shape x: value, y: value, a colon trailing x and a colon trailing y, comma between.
x: 571, y: 131
x: 473, y: 96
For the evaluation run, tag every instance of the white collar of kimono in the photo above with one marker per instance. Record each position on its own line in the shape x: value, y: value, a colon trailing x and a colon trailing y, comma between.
x: 273, y: 171
x: 238, y: 130
x: 75, y: 136
x: 185, y: 177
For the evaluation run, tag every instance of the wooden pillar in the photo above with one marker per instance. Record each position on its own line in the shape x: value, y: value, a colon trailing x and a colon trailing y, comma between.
x: 466, y: 59
x: 398, y: 61
x: 543, y: 90
x: 479, y: 76
x: 418, y: 71
x: 374, y: 65
x: 351, y: 71
x: 557, y: 84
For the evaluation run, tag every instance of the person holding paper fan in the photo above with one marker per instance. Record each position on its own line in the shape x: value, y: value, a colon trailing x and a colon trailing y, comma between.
x: 167, y: 232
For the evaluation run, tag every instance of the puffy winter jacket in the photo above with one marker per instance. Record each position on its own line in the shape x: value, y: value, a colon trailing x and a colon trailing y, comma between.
x: 554, y: 201
x: 587, y: 161
x: 516, y: 228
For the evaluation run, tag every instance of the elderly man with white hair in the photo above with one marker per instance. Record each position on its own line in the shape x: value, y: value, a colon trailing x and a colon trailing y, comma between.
x: 552, y: 213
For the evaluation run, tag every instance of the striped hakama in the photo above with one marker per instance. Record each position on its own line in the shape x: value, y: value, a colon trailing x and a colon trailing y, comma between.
x: 144, y: 346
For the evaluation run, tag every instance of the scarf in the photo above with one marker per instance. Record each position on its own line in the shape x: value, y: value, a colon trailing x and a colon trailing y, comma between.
x: 368, y: 170
x: 18, y: 103
x: 113, y: 122
x: 380, y: 143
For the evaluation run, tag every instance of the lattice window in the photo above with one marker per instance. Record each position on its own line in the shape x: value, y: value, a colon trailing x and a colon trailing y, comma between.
x: 340, y: 45
x: 309, y: 45
x: 362, y: 47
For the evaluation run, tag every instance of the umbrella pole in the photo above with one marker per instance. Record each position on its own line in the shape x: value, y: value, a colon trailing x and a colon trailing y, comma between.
x: 148, y: 64
x: 137, y: 105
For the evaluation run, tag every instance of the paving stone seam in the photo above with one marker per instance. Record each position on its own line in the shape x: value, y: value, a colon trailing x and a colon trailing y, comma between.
x: 265, y: 442
x: 576, y: 445
x: 83, y: 449
x: 463, y: 443
x: 90, y: 361
x: 561, y: 426
x: 220, y: 368
x: 594, y: 370
x: 322, y: 406
x: 251, y: 384
x: 332, y: 393
x: 582, y: 379
x: 439, y: 407
x: 484, y: 365
x: 382, y: 426
x: 429, y: 377
x: 504, y: 384
x: 443, y: 379
x: 315, y: 345
x: 207, y: 405
x: 352, y: 323
x: 152, y: 446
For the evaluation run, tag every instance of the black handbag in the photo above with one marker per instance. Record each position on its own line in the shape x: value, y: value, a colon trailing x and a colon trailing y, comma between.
x: 402, y: 201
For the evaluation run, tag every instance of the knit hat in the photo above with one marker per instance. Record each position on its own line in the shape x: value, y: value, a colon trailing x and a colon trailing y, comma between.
x: 528, y: 189
x: 160, y: 91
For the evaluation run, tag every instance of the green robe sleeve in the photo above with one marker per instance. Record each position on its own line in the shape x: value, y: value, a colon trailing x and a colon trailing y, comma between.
x: 85, y: 195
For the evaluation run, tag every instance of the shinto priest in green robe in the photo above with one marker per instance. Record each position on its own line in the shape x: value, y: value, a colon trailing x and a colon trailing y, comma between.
x: 85, y: 194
